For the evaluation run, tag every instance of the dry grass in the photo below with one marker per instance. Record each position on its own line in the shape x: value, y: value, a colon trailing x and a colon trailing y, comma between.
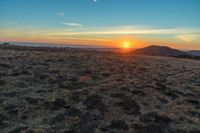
x: 74, y: 90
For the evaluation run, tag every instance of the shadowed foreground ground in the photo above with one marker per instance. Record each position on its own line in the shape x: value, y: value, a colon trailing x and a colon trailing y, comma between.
x: 77, y: 91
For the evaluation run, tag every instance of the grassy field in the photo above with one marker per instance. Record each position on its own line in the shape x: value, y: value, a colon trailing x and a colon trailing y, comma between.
x: 78, y: 91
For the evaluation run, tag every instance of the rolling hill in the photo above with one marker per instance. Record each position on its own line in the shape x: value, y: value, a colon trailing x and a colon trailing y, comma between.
x: 159, y: 51
x: 154, y: 50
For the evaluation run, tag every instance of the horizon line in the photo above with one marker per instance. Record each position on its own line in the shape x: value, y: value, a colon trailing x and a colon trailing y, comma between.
x: 64, y: 45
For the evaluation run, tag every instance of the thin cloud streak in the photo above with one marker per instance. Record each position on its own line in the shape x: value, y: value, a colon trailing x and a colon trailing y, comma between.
x: 121, y: 30
x: 92, y: 1
x: 72, y: 24
x: 189, y: 37
x: 101, y: 33
x: 174, y: 31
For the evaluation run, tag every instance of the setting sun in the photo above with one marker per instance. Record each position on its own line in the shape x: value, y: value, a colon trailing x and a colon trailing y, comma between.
x: 126, y: 44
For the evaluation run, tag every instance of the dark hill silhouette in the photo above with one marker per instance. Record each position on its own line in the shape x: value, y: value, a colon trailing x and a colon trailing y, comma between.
x: 194, y: 52
x: 159, y: 51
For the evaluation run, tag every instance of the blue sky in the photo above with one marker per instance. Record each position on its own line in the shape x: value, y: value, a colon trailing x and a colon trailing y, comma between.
x: 91, y: 17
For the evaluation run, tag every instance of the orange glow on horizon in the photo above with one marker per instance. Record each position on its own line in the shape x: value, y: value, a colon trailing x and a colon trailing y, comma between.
x: 126, y: 44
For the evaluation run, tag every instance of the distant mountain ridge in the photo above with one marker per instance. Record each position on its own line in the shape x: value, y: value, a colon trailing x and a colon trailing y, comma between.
x: 194, y: 52
x: 152, y: 50
x: 155, y: 50
x: 159, y: 51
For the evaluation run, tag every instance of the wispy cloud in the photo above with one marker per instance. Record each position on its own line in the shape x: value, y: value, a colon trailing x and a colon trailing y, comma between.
x: 189, y: 37
x: 118, y: 30
x: 102, y: 34
x: 92, y: 0
x: 60, y: 13
x: 126, y: 30
x: 72, y: 24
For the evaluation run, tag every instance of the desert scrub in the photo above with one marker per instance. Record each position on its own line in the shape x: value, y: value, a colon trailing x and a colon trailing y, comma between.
x: 105, y: 74
x: 20, y: 84
x: 188, y: 128
x: 74, y: 86
x: 2, y: 82
x: 129, y: 106
x: 117, y: 125
x: 95, y: 102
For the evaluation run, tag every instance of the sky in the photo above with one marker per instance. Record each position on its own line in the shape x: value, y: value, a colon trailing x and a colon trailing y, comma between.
x: 174, y: 23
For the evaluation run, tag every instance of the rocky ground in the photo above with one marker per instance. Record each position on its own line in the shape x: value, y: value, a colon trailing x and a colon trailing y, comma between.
x: 77, y: 91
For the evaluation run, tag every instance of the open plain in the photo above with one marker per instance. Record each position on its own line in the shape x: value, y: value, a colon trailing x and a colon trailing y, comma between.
x: 79, y: 91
